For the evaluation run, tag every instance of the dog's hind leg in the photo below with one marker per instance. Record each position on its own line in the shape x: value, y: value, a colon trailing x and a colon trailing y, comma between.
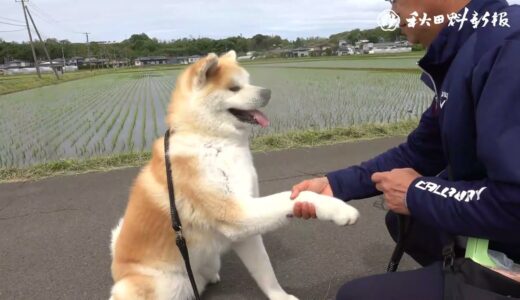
x: 178, y: 286
x: 165, y: 286
x: 254, y: 256
x: 135, y: 287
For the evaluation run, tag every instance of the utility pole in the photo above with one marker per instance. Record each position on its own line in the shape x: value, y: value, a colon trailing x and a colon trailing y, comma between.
x: 88, y: 51
x: 114, y: 55
x: 63, y: 58
x: 30, y: 39
x: 44, y: 46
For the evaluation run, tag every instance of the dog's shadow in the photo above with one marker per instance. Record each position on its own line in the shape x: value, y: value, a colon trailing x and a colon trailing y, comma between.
x: 236, y: 282
x: 321, y: 284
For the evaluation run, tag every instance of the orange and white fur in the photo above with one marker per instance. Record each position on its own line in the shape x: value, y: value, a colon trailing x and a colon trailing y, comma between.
x: 216, y: 187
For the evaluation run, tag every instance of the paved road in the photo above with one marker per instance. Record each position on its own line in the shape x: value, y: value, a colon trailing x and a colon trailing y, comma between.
x: 54, y: 234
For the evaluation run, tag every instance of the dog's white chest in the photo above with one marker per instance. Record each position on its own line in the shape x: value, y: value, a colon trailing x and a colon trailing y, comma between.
x: 231, y: 168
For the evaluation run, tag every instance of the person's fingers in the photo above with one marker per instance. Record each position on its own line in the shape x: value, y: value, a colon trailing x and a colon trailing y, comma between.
x: 380, y: 187
x: 378, y: 176
x: 305, y: 211
x: 296, y: 189
x: 298, y: 210
x: 312, y: 211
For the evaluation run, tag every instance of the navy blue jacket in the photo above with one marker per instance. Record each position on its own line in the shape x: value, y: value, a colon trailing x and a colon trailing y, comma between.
x: 472, y: 126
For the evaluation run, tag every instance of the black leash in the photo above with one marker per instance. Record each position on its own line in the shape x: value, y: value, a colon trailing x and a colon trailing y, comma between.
x: 404, y: 226
x: 176, y: 221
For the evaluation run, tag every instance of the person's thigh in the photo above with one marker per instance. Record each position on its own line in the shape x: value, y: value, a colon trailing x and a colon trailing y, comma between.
x: 425, y: 284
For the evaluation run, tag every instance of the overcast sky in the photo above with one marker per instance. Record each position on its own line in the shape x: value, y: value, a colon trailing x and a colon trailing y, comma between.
x: 115, y: 20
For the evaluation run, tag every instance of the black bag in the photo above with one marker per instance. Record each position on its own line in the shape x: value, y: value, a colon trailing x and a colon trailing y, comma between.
x: 466, y: 280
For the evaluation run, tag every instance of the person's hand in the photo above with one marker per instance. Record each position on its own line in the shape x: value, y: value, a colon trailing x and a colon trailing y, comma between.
x: 394, y: 185
x: 318, y: 185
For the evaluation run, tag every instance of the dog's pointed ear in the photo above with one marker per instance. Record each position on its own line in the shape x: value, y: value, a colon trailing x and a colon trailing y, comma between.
x: 204, y: 69
x: 231, y: 55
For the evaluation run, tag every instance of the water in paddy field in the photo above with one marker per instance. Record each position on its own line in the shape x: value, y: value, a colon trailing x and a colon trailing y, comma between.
x: 119, y: 113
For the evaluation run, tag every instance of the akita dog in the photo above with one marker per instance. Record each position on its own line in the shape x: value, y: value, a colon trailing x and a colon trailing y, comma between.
x: 216, y: 185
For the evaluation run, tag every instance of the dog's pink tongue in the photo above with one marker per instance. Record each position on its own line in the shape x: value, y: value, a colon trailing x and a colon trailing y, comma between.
x: 260, y: 118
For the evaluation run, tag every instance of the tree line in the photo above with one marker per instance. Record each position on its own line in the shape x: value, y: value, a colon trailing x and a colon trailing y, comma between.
x: 142, y: 45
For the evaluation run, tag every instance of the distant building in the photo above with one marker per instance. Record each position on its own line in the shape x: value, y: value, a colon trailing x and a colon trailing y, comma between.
x: 193, y: 59
x: 13, y: 64
x: 180, y: 60
x: 17, y: 66
x: 118, y: 63
x: 278, y: 52
x: 76, y: 61
x: 301, y: 52
x: 325, y: 48
x: 345, y: 48
x: 396, y: 47
x: 363, y: 47
x: 249, y: 56
x: 95, y: 62
x: 245, y: 58
x: 184, y: 60
x: 56, y: 63
x: 150, y: 60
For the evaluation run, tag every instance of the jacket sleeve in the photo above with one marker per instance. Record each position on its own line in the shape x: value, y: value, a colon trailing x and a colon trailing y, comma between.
x: 422, y: 151
x: 487, y: 208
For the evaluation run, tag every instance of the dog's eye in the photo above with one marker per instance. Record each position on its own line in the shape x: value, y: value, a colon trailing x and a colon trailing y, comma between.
x: 235, y: 88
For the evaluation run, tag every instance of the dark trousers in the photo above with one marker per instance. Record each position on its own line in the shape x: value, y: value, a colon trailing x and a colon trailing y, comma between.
x: 424, y: 244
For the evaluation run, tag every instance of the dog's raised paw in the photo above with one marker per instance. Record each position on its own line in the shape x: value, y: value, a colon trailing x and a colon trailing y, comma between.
x: 345, y: 215
x: 330, y: 208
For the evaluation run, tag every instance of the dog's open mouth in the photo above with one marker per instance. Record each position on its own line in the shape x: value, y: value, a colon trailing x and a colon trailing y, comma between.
x: 250, y: 116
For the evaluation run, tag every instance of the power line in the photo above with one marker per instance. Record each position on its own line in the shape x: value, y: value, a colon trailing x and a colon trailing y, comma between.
x: 50, y: 19
x: 13, y: 30
x: 45, y: 17
x: 41, y: 40
x: 42, y: 11
x: 7, y: 23
x: 11, y: 20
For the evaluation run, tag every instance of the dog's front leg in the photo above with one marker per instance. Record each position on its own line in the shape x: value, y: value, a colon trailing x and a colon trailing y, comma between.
x: 264, y: 214
x: 252, y: 253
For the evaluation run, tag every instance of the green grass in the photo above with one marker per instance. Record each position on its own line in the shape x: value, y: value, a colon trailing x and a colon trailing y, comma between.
x: 313, y: 138
x: 297, y: 139
x: 16, y: 83
x: 71, y: 166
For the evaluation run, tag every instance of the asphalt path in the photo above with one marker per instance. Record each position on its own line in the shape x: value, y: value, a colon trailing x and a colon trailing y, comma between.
x: 54, y: 233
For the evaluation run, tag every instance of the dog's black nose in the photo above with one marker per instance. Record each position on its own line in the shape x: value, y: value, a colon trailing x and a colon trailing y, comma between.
x: 265, y: 94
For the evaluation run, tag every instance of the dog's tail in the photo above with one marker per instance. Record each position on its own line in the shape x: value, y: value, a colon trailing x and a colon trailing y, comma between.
x: 134, y: 287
